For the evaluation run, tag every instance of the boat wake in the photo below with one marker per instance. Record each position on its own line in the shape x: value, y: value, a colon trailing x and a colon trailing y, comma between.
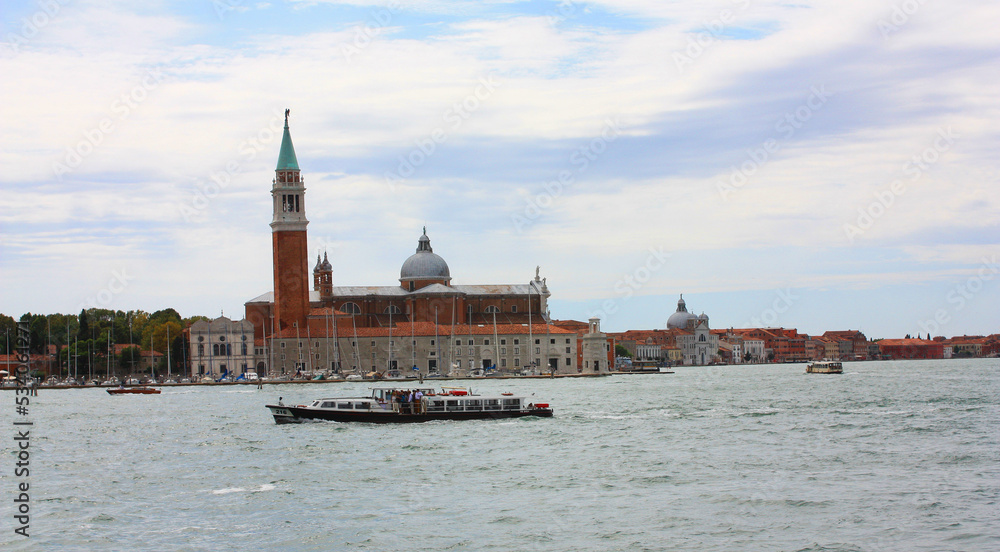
x: 262, y: 488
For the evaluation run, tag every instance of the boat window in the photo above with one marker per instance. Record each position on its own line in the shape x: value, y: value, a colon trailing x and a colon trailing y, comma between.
x: 491, y: 404
x: 345, y: 406
x: 474, y: 404
x: 511, y: 404
x: 363, y: 406
x: 454, y: 405
x: 329, y: 404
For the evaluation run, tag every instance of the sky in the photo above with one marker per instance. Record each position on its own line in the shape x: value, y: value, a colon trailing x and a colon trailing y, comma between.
x: 819, y: 165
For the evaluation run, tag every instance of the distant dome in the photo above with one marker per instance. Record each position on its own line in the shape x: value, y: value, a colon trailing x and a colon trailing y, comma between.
x: 680, y: 318
x: 424, y: 264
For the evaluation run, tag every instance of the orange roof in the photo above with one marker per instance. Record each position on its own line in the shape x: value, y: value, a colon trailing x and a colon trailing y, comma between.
x: 906, y: 342
x: 426, y: 329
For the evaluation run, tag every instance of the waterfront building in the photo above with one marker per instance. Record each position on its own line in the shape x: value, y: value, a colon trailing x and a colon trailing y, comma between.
x: 425, y: 324
x: 585, y: 332
x: 854, y: 344
x: 698, y: 345
x: 221, y: 346
x: 908, y: 349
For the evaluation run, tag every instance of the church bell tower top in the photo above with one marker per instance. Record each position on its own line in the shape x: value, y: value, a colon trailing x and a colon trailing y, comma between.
x: 286, y: 156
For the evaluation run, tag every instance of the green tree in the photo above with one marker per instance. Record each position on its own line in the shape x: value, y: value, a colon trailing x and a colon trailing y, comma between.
x: 8, y: 329
x: 129, y: 360
x: 83, y: 330
x: 622, y: 351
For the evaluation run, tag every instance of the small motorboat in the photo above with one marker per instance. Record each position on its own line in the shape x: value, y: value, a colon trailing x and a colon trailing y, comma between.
x: 141, y: 390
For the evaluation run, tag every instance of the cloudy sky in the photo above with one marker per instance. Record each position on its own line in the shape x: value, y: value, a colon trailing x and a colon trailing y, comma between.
x: 819, y: 165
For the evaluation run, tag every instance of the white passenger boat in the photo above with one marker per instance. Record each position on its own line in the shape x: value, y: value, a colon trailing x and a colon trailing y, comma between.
x: 825, y: 367
x: 390, y: 405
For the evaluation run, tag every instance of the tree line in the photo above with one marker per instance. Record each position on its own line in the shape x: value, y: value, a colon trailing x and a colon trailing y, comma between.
x: 87, y: 340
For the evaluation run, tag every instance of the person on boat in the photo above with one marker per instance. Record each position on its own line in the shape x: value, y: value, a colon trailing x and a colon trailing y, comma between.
x: 416, y: 399
x: 279, y: 401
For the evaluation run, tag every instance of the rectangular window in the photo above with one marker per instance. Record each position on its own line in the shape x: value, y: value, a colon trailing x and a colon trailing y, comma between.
x: 317, y: 356
x: 282, y: 344
x: 486, y: 342
x: 503, y: 350
x: 552, y: 342
x: 503, y: 341
x: 517, y: 350
x: 568, y: 362
x: 517, y: 362
x: 517, y: 341
x: 513, y: 308
x: 567, y: 340
x: 432, y: 342
x: 472, y: 351
x: 503, y: 363
x: 373, y: 343
x: 567, y: 350
x: 458, y: 342
x: 537, y: 341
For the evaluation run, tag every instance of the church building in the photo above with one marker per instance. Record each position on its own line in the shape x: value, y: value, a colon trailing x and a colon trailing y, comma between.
x: 424, y: 324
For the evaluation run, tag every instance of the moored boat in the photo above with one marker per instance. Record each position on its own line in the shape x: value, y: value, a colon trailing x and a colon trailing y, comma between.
x: 390, y: 405
x: 825, y: 367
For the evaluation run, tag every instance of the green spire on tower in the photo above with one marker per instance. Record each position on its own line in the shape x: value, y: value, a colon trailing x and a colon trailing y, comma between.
x: 286, y: 157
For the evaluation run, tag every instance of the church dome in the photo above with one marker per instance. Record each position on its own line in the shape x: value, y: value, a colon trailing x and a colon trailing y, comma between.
x: 680, y: 318
x: 424, y: 264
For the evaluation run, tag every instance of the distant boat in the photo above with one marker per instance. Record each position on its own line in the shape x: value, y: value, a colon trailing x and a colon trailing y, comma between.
x: 825, y: 367
x: 134, y: 391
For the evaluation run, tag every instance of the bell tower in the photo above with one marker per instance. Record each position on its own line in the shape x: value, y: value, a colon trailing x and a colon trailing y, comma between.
x: 288, y: 239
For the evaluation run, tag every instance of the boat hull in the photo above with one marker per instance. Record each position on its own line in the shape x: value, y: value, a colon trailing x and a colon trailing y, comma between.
x: 298, y: 414
x: 133, y: 391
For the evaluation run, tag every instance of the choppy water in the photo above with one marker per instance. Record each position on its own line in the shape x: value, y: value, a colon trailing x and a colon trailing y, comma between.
x: 900, y: 456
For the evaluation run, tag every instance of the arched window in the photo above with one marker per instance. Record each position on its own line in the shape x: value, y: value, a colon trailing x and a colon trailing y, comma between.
x: 701, y: 337
x: 491, y: 309
x: 350, y: 308
x: 392, y: 309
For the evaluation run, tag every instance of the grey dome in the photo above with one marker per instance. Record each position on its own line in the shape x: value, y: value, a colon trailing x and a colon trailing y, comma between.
x: 424, y: 264
x: 680, y: 318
